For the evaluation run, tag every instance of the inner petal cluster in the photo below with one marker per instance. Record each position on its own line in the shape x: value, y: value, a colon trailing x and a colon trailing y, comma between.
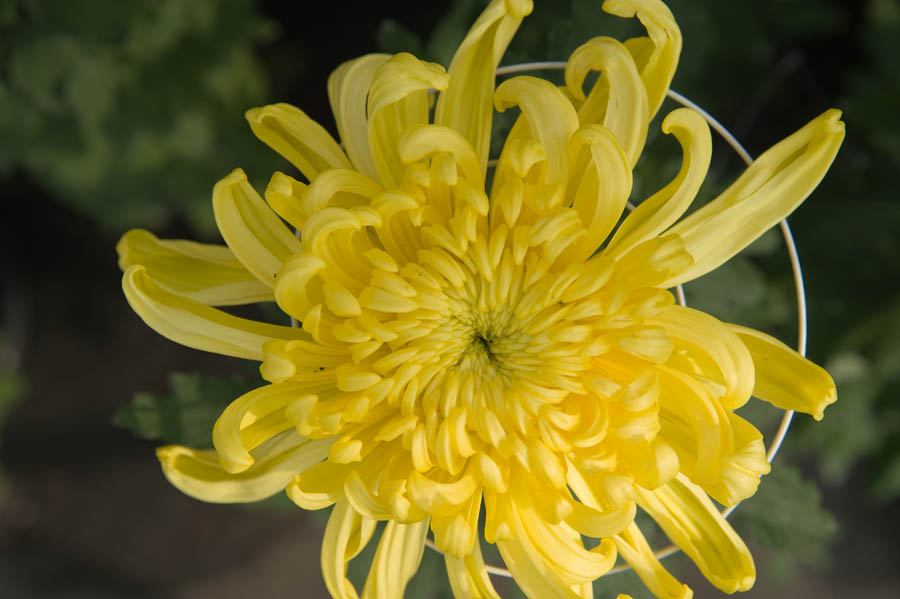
x: 479, y: 362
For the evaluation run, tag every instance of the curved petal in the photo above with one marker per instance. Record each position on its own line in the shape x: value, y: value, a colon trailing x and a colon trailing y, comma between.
x: 651, y: 263
x: 346, y: 534
x: 348, y: 88
x: 562, y: 548
x: 340, y: 188
x: 398, y: 99
x: 396, y: 559
x: 714, y: 349
x: 468, y: 577
x: 618, y: 99
x: 320, y: 485
x: 599, y: 524
x: 248, y: 409
x: 740, y: 472
x: 693, y: 523
x: 420, y: 141
x: 784, y: 378
x: 634, y: 549
x: 253, y: 232
x: 666, y: 206
x: 284, y: 195
x: 455, y: 535
x: 692, y: 425
x: 304, y: 142
x: 338, y: 237
x: 599, y: 186
x: 363, y: 500
x: 197, y: 325
x: 530, y: 569
x: 443, y: 498
x: 466, y: 103
x: 657, y: 55
x: 199, y: 474
x: 770, y: 189
x: 209, y: 274
x: 550, y: 116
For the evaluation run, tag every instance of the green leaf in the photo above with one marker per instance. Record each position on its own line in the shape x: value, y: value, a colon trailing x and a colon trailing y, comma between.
x: 187, y: 413
x: 787, y: 515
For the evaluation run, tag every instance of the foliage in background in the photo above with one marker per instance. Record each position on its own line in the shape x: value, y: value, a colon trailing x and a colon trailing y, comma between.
x: 187, y: 413
x: 130, y: 111
x: 857, y: 281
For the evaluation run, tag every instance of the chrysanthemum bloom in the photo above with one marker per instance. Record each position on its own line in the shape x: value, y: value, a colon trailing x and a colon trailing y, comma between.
x: 510, y: 353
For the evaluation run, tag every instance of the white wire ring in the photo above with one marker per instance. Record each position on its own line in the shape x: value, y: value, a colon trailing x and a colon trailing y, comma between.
x: 799, y: 289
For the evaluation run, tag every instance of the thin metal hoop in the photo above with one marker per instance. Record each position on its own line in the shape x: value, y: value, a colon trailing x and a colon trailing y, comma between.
x: 796, y: 269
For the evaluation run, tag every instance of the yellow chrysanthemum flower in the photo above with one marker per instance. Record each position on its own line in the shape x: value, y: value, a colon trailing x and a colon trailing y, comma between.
x: 511, y: 351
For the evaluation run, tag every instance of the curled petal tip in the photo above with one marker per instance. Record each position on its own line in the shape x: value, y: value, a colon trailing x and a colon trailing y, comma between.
x: 519, y: 8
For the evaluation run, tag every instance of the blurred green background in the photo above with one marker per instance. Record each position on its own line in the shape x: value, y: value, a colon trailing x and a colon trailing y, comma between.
x: 124, y: 114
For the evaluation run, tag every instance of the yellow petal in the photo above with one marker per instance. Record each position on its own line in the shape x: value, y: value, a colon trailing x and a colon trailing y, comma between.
x: 363, y: 500
x: 243, y: 412
x: 598, y: 524
x: 694, y: 524
x: 209, y: 274
x: 455, y: 535
x: 284, y: 195
x: 340, y: 188
x: 651, y: 263
x: 691, y: 424
x: 784, y: 378
x: 666, y: 206
x: 441, y: 498
x: 256, y: 236
x: 770, y: 189
x: 618, y: 99
x: 196, y: 325
x: 346, y: 534
x: 653, y: 463
x: 199, y: 474
x: 468, y: 576
x: 420, y: 141
x: 466, y: 103
x: 320, y: 485
x: 398, y: 99
x: 396, y: 559
x: 599, y: 185
x: 297, y: 286
x: 657, y: 55
x: 348, y: 88
x: 530, y: 568
x: 712, y: 348
x: 337, y: 236
x: 550, y: 117
x: 305, y: 143
x: 740, y: 472
x: 634, y: 549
